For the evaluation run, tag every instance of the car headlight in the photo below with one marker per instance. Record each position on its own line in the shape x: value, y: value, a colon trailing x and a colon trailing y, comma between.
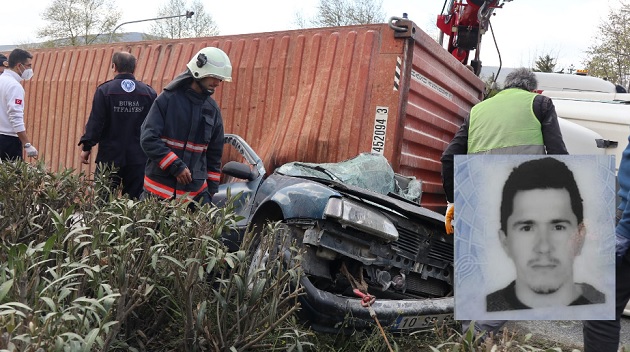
x: 355, y: 215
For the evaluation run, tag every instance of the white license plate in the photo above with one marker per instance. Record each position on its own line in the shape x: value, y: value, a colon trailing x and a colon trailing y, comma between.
x: 421, y: 321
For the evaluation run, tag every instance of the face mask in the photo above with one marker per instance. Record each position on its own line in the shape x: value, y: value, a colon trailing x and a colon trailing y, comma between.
x: 27, y: 74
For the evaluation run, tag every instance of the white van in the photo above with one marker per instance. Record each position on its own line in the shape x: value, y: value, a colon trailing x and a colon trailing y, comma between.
x: 582, y: 95
x: 609, y: 119
x: 555, y: 81
x: 572, y: 83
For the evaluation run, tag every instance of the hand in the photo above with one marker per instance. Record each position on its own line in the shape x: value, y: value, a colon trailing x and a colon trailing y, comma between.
x: 622, y: 244
x: 31, y: 151
x: 184, y: 177
x: 450, y: 216
x: 85, y: 156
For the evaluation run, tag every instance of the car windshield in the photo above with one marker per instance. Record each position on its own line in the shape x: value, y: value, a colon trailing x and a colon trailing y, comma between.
x: 367, y: 170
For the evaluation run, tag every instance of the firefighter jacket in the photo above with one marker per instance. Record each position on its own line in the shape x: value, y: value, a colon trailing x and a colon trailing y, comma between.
x: 544, y: 111
x: 183, y: 129
x: 118, y: 111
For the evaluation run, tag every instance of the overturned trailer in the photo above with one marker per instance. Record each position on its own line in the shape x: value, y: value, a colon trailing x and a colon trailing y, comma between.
x: 312, y: 95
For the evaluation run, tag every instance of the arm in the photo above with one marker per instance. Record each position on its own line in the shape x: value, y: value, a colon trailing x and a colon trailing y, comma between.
x: 214, y: 154
x: 459, y: 145
x: 622, y: 231
x: 96, y: 121
x: 152, y: 143
x: 16, y: 113
x: 95, y: 125
x: 545, y: 111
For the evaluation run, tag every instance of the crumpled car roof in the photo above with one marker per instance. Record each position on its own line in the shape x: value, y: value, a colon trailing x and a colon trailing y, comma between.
x: 369, y: 171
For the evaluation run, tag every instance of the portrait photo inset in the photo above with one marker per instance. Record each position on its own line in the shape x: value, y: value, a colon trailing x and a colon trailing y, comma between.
x: 539, y: 243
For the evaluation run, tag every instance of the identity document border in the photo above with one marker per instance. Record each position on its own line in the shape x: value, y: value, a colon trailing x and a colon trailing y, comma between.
x: 481, y: 265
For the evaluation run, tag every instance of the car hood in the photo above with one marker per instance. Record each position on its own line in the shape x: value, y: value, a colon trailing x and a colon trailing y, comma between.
x: 369, y: 177
x: 391, y: 200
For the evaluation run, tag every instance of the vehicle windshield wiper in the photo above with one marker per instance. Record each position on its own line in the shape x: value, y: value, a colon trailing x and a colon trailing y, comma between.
x: 320, y: 169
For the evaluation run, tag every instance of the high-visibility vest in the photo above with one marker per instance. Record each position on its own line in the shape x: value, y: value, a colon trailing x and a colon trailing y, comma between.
x: 503, y: 122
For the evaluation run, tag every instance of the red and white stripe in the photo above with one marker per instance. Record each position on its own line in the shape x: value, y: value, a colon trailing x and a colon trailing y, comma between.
x: 167, y: 160
x: 193, y: 147
x: 166, y: 192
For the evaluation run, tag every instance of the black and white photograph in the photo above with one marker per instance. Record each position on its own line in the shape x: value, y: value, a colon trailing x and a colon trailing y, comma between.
x: 534, y: 238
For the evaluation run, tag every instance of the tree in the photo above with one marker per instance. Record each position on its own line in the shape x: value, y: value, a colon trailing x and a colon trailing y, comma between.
x: 332, y: 13
x: 78, y: 22
x: 609, y: 57
x: 200, y: 24
x: 545, y: 64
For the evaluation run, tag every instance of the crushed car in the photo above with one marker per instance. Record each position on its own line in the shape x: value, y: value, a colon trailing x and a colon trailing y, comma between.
x: 362, y: 231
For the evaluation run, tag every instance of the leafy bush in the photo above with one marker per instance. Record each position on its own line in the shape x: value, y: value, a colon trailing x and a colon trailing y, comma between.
x: 82, y: 271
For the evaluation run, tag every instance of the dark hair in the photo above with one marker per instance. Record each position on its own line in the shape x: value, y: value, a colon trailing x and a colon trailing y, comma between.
x: 18, y: 56
x: 521, y: 78
x: 545, y: 173
x: 124, y: 62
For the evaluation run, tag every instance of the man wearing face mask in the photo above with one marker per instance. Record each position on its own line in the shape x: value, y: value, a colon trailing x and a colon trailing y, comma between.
x: 183, y: 133
x: 13, y: 138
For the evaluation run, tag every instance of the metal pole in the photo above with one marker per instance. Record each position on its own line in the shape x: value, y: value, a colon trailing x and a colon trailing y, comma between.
x: 188, y: 14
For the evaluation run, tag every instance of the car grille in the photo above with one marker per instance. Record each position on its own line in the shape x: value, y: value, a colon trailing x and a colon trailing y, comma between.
x: 429, y: 287
x: 410, y: 244
x: 441, y: 251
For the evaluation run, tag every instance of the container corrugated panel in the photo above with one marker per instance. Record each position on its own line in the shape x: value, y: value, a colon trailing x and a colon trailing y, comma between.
x: 305, y: 95
x: 441, y: 92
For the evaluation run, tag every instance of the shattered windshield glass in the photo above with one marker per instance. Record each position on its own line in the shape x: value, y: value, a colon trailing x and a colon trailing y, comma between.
x: 367, y: 170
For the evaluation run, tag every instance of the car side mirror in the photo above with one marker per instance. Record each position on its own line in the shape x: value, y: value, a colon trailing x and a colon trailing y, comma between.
x: 238, y: 170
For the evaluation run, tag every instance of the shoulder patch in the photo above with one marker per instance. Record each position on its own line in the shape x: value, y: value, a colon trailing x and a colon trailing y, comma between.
x: 128, y: 85
x: 18, y: 101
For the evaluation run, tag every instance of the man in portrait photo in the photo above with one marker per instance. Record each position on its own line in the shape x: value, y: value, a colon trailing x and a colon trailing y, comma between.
x: 532, y: 237
x: 542, y: 231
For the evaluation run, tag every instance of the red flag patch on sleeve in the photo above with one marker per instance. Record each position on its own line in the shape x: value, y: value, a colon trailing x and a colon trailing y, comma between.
x: 18, y: 101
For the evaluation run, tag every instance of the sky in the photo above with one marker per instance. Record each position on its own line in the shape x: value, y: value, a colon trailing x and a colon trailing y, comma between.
x: 524, y: 29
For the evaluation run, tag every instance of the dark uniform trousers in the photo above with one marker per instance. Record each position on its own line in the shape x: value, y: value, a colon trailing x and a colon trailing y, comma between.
x: 603, y: 335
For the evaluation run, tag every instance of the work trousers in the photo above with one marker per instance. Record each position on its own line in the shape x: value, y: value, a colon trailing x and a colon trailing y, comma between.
x: 603, y: 335
x: 10, y: 148
x: 131, y: 177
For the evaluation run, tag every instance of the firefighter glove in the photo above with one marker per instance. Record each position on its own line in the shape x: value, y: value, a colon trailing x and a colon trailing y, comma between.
x: 450, y: 215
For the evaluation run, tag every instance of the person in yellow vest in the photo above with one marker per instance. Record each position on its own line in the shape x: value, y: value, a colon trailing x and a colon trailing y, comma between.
x: 514, y: 121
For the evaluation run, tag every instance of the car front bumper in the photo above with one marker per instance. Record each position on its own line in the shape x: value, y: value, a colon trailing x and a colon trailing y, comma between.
x: 330, y: 312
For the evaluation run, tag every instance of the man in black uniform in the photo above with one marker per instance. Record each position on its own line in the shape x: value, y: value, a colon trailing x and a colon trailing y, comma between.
x: 118, y: 111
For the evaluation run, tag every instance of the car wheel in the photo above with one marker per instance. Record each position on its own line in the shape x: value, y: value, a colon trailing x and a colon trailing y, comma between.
x: 267, y: 246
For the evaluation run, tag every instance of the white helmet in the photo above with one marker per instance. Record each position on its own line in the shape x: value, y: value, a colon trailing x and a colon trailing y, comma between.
x: 212, y: 62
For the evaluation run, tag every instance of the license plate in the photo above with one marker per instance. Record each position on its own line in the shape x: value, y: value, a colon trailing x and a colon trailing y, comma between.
x: 422, y: 321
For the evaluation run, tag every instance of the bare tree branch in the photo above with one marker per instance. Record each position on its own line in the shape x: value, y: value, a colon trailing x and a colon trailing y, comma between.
x: 200, y: 24
x: 78, y: 22
x: 332, y: 13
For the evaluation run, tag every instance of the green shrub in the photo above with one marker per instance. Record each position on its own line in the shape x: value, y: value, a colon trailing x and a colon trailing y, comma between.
x: 79, y: 272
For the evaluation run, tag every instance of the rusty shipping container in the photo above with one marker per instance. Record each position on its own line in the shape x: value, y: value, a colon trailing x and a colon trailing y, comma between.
x: 313, y: 95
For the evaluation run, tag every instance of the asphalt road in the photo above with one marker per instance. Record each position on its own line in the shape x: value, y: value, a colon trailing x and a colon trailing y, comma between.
x: 565, y: 332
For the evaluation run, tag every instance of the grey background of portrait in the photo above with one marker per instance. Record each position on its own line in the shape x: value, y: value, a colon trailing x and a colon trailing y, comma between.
x: 481, y: 265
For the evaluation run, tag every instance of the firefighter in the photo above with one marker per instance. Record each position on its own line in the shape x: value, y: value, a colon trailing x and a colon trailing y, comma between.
x: 183, y: 132
x: 514, y: 121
